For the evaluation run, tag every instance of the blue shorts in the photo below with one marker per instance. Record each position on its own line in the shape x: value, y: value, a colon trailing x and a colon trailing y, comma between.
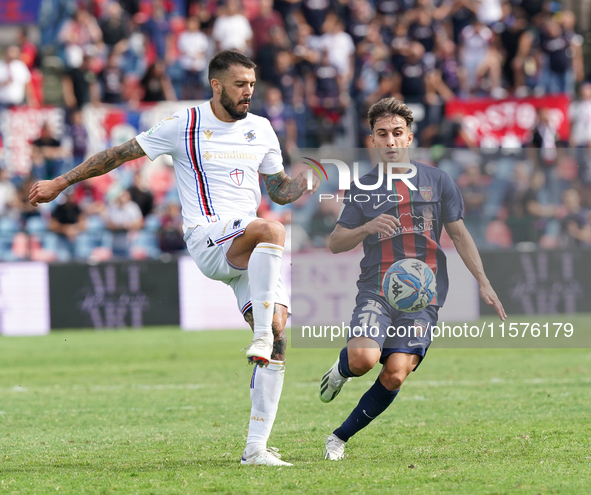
x: 393, y: 330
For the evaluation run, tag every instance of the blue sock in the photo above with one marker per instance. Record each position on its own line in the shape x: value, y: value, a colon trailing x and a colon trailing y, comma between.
x: 373, y: 403
x: 344, y: 364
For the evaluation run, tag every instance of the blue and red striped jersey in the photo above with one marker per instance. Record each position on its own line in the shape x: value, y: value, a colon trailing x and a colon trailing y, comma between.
x: 422, y: 213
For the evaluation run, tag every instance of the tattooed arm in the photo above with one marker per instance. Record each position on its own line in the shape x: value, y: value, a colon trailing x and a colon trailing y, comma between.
x: 99, y: 164
x: 283, y: 189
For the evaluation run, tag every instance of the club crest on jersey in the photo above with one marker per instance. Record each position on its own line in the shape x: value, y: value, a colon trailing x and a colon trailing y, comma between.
x: 208, y: 134
x: 237, y: 176
x: 250, y: 135
x: 426, y: 193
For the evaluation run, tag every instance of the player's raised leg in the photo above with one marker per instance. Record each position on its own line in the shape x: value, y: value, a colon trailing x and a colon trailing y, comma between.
x: 374, y: 402
x: 260, y: 249
x: 265, y: 391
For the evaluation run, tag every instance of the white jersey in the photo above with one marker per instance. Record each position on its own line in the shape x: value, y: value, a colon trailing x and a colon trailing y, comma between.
x: 216, y: 163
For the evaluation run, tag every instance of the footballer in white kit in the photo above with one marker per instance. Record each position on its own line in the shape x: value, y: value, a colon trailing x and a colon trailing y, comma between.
x: 217, y: 166
x: 219, y: 152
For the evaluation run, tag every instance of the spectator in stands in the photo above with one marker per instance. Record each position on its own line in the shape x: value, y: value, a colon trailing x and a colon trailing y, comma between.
x: 480, y: 58
x: 576, y: 229
x: 513, y: 25
x: 447, y: 64
x: 114, y: 28
x: 192, y: 45
x: 47, y: 155
x: 231, y: 30
x: 110, y: 82
x: 281, y: 117
x: 263, y: 24
x: 123, y: 218
x: 28, y: 49
x: 558, y: 76
x: 79, y: 137
x: 8, y: 197
x: 68, y: 221
x: 473, y: 187
x: 339, y: 46
x: 170, y: 234
x: 267, y: 54
x: 83, y: 31
x: 424, y: 29
x: 141, y: 195
x: 156, y: 85
x: 580, y: 135
x: 157, y: 28
x: 323, y: 94
x: 288, y: 80
x: 78, y: 80
x: 15, y: 80
x: 516, y: 202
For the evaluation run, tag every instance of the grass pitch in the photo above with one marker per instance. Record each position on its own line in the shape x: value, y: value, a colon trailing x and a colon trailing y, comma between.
x: 162, y: 411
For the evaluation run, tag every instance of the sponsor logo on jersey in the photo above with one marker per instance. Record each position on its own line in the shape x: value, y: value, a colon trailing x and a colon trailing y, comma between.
x: 420, y: 225
x: 250, y: 135
x: 155, y: 128
x: 229, y: 155
x: 426, y: 193
x: 208, y: 134
x: 237, y: 176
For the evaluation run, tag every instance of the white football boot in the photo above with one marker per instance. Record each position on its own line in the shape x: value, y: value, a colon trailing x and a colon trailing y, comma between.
x: 259, y: 352
x: 332, y: 382
x: 267, y: 457
x: 334, y: 449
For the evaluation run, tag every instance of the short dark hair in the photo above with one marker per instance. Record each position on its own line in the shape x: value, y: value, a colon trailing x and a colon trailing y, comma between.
x: 389, y: 106
x: 226, y: 59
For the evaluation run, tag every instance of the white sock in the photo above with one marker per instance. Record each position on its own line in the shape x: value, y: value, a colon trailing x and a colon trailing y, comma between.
x: 265, y: 392
x: 264, y: 267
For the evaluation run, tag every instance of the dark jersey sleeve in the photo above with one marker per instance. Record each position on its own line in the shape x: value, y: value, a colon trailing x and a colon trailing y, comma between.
x: 351, y: 216
x: 452, y: 204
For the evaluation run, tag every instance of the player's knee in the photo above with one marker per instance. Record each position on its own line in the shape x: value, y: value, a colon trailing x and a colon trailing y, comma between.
x: 272, y: 231
x: 361, y: 362
x: 393, y: 380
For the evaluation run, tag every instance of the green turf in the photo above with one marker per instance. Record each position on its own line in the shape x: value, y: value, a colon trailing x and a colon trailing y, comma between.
x: 164, y: 411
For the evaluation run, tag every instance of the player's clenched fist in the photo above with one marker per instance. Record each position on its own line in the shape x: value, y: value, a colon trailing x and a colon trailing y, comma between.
x: 302, y: 183
x: 384, y: 224
x: 46, y: 190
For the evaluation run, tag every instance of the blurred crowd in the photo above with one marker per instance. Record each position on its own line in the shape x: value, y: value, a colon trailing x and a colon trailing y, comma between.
x: 321, y: 65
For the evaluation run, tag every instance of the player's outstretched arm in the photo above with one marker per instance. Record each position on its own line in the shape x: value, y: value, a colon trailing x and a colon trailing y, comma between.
x: 283, y: 189
x: 343, y: 239
x: 469, y: 253
x: 47, y: 190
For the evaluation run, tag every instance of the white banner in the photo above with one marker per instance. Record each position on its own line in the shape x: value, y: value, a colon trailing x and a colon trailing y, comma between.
x: 207, y: 304
x: 24, y: 299
x: 323, y: 288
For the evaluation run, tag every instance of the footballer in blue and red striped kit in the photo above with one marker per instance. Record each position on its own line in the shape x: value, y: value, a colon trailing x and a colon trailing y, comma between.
x: 394, y: 222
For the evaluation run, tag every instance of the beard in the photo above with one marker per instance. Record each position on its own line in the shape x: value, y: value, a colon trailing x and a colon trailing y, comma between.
x: 230, y: 106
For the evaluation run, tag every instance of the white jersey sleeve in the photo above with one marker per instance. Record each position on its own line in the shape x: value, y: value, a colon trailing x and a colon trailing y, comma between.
x: 162, y: 139
x: 272, y: 162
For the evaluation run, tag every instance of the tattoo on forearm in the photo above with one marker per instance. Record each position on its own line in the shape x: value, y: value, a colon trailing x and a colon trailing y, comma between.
x: 105, y: 161
x: 278, y: 327
x: 281, y: 188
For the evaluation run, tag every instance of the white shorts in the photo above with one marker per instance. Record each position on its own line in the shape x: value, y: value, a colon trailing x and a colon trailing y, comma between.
x: 208, y: 245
